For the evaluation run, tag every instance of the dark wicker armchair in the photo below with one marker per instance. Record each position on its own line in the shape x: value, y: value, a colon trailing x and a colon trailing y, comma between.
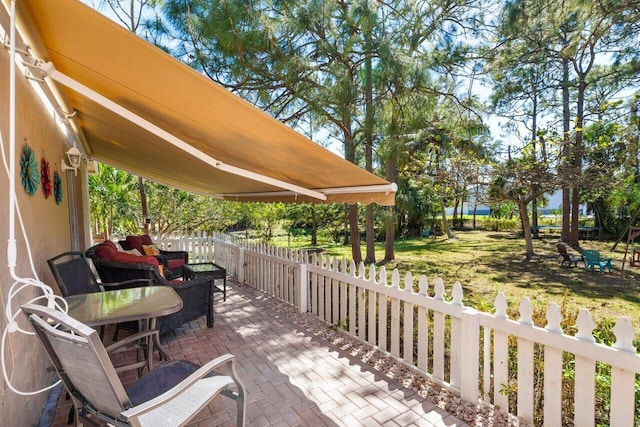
x: 196, y: 294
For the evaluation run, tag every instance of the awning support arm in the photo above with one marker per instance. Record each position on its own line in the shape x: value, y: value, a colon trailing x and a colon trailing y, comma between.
x: 67, y: 81
x: 364, y: 189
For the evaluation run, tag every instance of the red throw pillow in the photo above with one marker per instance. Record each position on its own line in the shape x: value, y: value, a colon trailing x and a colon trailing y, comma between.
x: 135, y: 242
x: 125, y: 257
x: 146, y: 239
x: 110, y: 244
x: 106, y: 251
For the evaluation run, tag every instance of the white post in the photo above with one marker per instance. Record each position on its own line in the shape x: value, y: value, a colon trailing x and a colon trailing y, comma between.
x: 240, y: 265
x: 469, y: 355
x: 302, y: 296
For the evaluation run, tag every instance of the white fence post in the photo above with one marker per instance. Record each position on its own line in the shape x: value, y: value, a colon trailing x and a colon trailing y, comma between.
x: 302, y: 291
x: 241, y: 265
x: 469, y: 355
x: 525, y: 374
x: 501, y: 357
x: 553, y: 371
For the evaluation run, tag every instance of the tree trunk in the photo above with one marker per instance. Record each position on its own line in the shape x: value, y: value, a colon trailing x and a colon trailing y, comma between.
x: 634, y: 143
x: 566, y: 152
x: 351, y: 212
x: 526, y: 228
x: 109, y: 228
x: 475, y: 210
x: 390, y: 226
x: 577, y: 165
x: 445, y: 223
x: 345, y: 233
x: 534, y: 216
x: 356, y: 253
x: 314, y: 225
x: 370, y: 256
x: 143, y: 203
x: 105, y: 229
x: 534, y: 132
x: 389, y: 239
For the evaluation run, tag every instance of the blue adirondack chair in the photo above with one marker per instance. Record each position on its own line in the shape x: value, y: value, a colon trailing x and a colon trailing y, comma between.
x: 592, y: 260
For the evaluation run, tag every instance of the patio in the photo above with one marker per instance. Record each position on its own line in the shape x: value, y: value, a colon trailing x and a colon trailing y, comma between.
x: 293, y: 376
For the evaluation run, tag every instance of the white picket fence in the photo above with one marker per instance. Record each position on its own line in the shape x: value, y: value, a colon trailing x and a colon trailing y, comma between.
x: 467, y: 351
x: 199, y: 245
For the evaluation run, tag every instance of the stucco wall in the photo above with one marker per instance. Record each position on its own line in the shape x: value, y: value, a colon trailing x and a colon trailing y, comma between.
x: 47, y: 229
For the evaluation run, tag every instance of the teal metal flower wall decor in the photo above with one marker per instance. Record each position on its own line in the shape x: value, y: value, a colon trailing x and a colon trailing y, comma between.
x: 29, y: 171
x: 57, y: 187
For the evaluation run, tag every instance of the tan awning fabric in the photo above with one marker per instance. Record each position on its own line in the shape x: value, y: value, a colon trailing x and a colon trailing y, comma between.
x: 218, y: 129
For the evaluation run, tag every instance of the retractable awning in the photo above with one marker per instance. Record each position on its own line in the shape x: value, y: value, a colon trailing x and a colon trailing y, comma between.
x: 139, y: 109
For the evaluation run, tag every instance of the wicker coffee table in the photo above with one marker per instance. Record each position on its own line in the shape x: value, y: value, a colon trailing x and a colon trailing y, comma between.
x: 191, y: 271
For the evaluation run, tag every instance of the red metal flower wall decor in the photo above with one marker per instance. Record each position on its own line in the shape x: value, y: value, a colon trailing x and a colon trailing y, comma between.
x: 45, y: 178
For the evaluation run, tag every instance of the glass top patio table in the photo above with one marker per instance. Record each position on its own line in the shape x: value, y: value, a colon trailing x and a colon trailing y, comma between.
x: 144, y: 304
x: 123, y: 305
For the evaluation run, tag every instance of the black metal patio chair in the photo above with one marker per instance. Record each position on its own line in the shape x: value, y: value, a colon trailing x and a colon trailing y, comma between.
x: 73, y: 274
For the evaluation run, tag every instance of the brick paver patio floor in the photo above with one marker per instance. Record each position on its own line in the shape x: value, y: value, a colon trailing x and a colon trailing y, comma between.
x: 292, y: 377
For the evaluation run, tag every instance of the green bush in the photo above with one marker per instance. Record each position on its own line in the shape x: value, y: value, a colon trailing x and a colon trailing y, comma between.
x: 497, y: 224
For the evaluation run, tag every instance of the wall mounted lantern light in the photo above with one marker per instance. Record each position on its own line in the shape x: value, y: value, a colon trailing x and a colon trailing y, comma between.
x: 75, y: 157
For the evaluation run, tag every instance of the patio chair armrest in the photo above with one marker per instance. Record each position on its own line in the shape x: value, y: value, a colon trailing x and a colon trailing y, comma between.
x: 183, y: 401
x: 128, y: 283
x: 138, y: 341
x: 132, y: 339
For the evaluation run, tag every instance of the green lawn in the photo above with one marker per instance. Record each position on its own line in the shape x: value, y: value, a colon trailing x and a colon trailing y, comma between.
x: 489, y: 262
